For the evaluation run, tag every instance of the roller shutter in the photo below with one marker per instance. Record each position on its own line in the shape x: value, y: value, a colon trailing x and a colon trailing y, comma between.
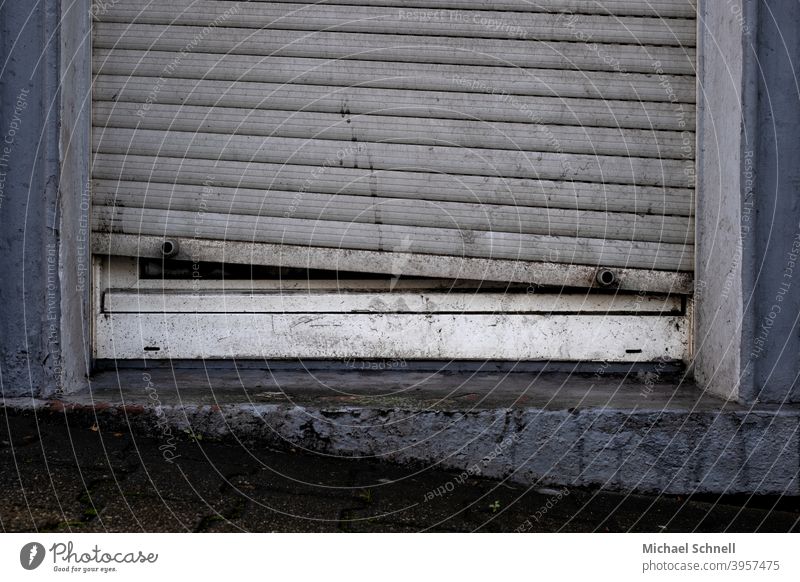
x: 508, y: 140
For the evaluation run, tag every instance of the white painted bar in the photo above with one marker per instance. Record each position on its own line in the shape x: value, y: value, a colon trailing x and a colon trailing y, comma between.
x: 615, y: 338
x: 429, y: 336
x: 251, y: 301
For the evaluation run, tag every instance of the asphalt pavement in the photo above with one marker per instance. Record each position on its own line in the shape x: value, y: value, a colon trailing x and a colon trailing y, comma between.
x: 63, y: 472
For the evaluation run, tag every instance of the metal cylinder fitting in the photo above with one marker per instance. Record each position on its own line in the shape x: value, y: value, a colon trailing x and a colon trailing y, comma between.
x: 605, y: 277
x: 169, y: 248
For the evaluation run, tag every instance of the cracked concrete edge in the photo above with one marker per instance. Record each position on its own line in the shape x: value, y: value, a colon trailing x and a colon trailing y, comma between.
x: 674, y: 452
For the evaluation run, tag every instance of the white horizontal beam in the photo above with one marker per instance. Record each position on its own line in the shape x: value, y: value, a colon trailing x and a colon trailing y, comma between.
x: 406, y: 336
x: 201, y: 300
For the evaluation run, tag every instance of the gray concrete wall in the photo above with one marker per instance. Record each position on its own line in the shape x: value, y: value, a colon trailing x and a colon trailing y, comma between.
x: 747, y: 339
x: 718, y: 265
x: 698, y: 450
x: 29, y: 295
x: 771, y: 351
x: 74, y: 185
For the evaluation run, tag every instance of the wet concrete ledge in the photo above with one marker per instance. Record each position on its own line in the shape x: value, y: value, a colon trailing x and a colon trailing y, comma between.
x: 637, y: 432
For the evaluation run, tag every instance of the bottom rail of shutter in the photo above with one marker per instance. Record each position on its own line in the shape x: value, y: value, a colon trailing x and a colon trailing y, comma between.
x: 542, y: 274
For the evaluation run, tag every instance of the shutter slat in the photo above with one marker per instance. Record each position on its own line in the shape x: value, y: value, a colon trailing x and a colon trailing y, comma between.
x: 415, y: 21
x: 409, y: 185
x: 653, y: 8
x: 439, y: 267
x: 375, y: 74
x: 556, y: 136
x: 389, y: 129
x: 399, y: 48
x: 381, y: 210
x: 467, y: 161
x: 392, y: 238
x: 406, y: 103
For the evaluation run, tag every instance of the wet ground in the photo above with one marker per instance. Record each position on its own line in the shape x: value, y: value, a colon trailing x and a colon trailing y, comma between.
x: 59, y: 475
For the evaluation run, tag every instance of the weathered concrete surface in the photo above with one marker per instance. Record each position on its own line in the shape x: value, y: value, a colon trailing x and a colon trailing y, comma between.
x: 29, y: 168
x: 770, y: 351
x: 718, y: 296
x: 70, y: 473
x: 611, y: 433
x: 747, y: 299
x: 74, y: 193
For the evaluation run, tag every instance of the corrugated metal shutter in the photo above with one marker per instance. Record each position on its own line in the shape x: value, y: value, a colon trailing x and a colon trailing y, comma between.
x: 530, y: 133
